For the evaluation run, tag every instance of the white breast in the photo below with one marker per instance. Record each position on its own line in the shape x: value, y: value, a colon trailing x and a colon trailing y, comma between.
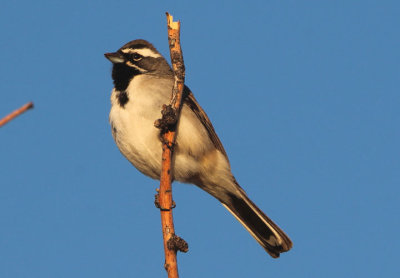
x: 138, y: 139
x: 133, y: 125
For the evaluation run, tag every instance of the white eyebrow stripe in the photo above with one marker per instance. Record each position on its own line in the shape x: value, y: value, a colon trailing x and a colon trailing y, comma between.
x: 146, y: 52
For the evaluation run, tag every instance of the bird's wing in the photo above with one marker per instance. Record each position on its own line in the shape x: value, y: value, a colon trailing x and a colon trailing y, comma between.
x: 192, y: 103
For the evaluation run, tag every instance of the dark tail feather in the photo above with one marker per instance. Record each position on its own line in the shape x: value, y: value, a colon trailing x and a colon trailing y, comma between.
x: 263, y: 229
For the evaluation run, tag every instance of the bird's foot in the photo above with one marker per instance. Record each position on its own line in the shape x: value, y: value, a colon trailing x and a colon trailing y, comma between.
x: 157, y: 202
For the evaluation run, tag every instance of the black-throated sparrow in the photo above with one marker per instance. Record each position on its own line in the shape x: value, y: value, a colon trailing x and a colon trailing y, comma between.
x: 143, y: 82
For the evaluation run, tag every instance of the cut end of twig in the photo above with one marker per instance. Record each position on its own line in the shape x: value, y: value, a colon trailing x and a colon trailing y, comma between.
x: 171, y: 23
x: 29, y: 105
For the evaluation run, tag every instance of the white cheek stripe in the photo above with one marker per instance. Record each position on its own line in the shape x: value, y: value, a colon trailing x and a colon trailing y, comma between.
x: 134, y: 66
x: 143, y: 51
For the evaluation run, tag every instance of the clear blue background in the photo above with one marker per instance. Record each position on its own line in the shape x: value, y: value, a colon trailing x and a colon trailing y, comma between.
x: 303, y: 94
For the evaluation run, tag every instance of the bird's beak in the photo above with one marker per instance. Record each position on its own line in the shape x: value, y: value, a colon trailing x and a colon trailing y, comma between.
x: 115, y: 57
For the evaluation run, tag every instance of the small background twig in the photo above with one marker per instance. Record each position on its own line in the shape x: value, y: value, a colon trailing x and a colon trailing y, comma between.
x: 16, y: 113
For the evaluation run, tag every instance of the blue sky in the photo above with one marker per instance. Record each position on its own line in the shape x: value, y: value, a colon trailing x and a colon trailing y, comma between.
x: 303, y: 94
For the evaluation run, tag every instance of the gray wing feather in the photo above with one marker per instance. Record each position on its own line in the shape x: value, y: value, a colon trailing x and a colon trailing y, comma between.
x: 192, y: 103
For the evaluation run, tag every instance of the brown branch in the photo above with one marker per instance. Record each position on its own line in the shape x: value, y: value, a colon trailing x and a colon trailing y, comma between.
x: 16, y: 113
x: 168, y: 127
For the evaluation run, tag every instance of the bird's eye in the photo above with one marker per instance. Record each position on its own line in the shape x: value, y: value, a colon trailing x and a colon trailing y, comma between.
x: 136, y: 57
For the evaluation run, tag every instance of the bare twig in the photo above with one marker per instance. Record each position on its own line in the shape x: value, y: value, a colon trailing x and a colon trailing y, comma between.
x: 16, y: 113
x: 172, y: 243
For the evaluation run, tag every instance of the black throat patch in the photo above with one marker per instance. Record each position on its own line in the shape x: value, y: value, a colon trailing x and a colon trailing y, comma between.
x: 122, y: 98
x: 122, y: 75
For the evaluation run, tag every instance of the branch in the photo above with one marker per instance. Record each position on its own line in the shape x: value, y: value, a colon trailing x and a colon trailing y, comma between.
x: 167, y: 124
x: 16, y: 113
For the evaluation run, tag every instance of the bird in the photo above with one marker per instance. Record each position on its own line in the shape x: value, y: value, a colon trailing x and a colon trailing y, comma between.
x: 143, y: 82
